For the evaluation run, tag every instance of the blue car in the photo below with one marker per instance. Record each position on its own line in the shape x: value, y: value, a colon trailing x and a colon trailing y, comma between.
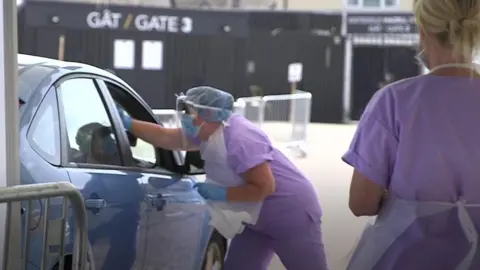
x: 143, y: 211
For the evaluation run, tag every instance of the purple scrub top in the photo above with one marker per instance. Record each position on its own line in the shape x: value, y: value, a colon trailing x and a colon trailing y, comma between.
x: 420, y: 139
x: 294, y: 202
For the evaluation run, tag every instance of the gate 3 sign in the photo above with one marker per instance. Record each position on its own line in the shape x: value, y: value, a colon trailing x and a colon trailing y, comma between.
x: 107, y: 19
x: 381, y: 23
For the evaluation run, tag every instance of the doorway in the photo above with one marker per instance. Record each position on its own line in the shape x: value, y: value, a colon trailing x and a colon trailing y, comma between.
x: 376, y: 66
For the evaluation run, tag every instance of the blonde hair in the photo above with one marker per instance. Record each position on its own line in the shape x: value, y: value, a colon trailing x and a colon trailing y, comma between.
x: 455, y: 23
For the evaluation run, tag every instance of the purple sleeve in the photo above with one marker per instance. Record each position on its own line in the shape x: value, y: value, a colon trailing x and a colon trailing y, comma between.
x: 247, y: 147
x: 374, y: 146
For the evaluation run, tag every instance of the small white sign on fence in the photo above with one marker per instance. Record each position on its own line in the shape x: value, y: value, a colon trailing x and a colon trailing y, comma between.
x: 295, y: 72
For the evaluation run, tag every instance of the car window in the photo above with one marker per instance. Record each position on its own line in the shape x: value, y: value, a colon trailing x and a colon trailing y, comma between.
x: 88, y: 125
x: 43, y: 134
x: 143, y: 152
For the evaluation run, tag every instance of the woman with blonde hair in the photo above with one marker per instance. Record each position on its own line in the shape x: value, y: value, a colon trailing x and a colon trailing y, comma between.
x: 418, y: 142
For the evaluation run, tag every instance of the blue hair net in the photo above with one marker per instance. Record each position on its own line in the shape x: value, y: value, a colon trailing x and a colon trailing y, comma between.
x: 211, y: 104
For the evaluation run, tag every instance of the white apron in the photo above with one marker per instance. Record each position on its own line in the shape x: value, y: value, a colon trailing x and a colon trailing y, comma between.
x: 228, y: 218
x: 395, y: 218
x: 397, y: 215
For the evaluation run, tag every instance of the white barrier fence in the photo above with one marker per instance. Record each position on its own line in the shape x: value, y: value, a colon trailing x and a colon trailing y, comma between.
x: 55, y: 229
x: 284, y: 118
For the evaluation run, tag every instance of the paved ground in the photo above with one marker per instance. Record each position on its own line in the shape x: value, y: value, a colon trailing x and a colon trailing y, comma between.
x: 330, y: 176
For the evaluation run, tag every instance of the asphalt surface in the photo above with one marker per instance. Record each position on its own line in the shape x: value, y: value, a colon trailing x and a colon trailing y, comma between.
x: 331, y: 179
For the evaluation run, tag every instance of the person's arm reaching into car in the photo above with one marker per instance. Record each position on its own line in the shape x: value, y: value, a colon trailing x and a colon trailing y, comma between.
x: 158, y: 136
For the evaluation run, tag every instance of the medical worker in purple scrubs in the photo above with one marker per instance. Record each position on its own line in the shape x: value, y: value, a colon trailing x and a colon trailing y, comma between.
x: 416, y: 153
x: 249, y: 172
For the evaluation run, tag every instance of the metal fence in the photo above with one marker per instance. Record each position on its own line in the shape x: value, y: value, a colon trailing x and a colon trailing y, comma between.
x: 284, y: 118
x: 239, y: 107
x: 55, y: 227
x: 251, y: 108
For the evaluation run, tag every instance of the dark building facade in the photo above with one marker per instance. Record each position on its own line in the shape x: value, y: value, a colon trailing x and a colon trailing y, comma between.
x: 380, y: 48
x: 193, y: 48
x: 161, y: 52
x: 277, y: 39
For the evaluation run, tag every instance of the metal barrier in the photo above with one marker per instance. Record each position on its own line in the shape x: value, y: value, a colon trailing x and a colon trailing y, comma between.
x: 239, y: 107
x: 251, y: 108
x: 46, y: 192
x: 284, y: 118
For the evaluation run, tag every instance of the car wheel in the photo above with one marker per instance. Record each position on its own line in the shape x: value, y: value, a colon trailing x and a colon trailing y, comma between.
x: 215, y: 255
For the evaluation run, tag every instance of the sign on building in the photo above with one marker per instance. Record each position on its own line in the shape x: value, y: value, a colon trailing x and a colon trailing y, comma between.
x: 107, y: 19
x: 295, y: 72
x: 378, y: 23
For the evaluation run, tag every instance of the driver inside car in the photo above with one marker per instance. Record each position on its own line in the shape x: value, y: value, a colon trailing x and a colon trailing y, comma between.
x: 96, y: 145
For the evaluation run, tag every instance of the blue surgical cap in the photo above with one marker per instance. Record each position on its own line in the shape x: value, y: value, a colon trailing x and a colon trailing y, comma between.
x: 210, y: 103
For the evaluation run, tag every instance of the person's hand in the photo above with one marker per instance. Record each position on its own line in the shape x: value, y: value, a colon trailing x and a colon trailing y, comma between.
x: 212, y: 192
x: 126, y: 119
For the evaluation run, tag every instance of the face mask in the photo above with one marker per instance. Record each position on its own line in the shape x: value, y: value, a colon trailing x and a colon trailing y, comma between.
x: 189, y: 127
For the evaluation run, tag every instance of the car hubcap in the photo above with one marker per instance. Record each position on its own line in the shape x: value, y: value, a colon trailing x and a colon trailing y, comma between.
x: 214, y: 258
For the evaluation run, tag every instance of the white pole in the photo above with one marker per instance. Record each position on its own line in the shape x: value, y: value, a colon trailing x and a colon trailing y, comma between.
x: 10, y: 225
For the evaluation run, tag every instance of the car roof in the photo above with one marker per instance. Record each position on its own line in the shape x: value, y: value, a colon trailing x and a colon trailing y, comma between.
x: 27, y: 60
x: 66, y: 67
x: 31, y: 60
x: 34, y: 69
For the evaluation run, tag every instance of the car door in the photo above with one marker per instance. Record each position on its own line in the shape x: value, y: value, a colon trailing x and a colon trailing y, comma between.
x: 93, y: 160
x: 40, y: 159
x: 175, y: 232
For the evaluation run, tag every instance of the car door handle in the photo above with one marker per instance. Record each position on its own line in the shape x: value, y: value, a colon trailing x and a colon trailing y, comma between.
x: 95, y: 205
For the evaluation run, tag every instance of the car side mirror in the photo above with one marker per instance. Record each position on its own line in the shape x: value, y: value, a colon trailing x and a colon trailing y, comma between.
x: 194, y: 163
x: 132, y: 140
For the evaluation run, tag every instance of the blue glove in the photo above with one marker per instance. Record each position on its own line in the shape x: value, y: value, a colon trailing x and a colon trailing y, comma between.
x: 126, y: 119
x: 211, y: 192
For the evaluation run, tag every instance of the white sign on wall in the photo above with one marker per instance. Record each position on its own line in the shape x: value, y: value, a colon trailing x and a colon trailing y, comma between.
x: 152, y: 55
x: 124, y: 54
x: 295, y: 72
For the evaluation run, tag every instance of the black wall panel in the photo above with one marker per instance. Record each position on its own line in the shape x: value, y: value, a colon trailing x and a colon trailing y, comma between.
x: 217, y: 52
